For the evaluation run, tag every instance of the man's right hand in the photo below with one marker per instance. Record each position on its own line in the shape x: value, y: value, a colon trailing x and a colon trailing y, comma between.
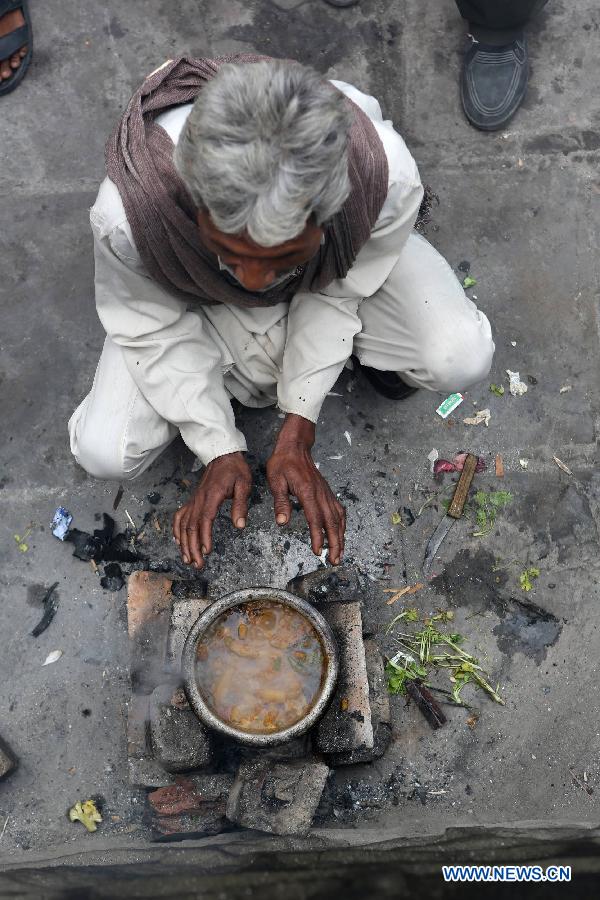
x: 225, y: 478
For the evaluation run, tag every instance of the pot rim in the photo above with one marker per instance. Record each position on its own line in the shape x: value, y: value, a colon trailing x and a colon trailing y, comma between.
x: 236, y: 598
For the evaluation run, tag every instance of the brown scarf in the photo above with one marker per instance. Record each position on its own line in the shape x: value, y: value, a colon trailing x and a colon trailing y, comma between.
x: 162, y: 215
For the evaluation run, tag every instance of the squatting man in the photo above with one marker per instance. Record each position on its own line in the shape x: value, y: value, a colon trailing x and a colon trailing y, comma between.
x: 255, y: 230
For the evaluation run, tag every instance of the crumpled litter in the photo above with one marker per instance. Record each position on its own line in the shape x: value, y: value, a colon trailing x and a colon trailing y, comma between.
x: 516, y: 386
x: 449, y: 405
x: 457, y: 464
x: 480, y: 418
x: 432, y: 457
x: 524, y: 463
x: 86, y: 813
x: 52, y: 658
x: 61, y: 522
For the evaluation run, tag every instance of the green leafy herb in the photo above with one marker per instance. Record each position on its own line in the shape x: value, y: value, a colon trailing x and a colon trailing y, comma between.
x: 487, y: 504
x: 469, y: 282
x: 398, y: 674
x: 430, y: 648
x: 497, y: 389
x: 527, y: 577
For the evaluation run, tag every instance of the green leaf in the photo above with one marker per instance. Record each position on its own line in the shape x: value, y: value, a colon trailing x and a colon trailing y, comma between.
x: 497, y: 389
x: 527, y: 577
x: 469, y: 282
x: 500, y: 499
x: 396, y: 518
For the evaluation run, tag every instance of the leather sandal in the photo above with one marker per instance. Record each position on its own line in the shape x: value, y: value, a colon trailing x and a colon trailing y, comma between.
x: 11, y: 43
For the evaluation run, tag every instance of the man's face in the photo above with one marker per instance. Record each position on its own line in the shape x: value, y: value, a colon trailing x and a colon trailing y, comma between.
x: 255, y: 267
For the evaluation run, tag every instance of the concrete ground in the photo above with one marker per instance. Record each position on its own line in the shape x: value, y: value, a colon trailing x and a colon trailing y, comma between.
x: 522, y: 206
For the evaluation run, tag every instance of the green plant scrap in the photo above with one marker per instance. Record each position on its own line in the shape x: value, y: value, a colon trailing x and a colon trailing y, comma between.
x: 497, y: 389
x: 428, y: 649
x: 527, y: 577
x: 469, y: 282
x: 487, y: 505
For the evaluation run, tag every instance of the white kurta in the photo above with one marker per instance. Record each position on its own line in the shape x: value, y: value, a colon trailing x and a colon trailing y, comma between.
x: 169, y: 367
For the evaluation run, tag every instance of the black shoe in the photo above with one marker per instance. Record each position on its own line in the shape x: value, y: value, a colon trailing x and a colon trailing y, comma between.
x: 388, y: 384
x: 494, y: 82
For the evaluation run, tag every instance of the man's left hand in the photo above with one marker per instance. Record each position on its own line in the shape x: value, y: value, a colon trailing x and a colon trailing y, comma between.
x: 292, y: 471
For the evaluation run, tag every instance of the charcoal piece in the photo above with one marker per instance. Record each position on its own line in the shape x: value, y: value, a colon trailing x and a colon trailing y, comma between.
x: 103, y: 545
x: 113, y: 577
x: 196, y: 588
x: 50, y: 604
x: 408, y: 517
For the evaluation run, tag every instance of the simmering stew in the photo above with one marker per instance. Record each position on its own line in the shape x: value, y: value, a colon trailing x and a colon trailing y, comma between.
x: 260, y: 666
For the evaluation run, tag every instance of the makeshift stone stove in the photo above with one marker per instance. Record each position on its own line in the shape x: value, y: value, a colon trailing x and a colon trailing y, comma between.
x: 201, y: 783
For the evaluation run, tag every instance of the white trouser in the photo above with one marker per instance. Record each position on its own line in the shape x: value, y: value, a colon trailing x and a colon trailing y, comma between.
x: 419, y: 324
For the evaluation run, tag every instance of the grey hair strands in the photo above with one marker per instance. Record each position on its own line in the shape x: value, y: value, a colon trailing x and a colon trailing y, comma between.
x: 264, y: 147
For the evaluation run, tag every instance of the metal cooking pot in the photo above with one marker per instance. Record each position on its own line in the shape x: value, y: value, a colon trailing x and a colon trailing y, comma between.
x: 238, y: 598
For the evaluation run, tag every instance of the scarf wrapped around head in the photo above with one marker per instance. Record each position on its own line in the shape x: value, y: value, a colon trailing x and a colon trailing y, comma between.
x: 162, y: 215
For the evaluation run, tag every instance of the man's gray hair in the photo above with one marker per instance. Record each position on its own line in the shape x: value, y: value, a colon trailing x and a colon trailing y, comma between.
x: 265, y: 145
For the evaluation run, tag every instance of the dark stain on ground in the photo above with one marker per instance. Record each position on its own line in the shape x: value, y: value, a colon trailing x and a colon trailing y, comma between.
x: 470, y: 581
x: 560, y: 518
x: 36, y: 594
x: 114, y: 29
x: 306, y: 34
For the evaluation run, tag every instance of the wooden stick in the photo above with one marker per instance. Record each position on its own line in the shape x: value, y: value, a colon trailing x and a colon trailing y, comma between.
x: 426, y: 703
x: 455, y: 510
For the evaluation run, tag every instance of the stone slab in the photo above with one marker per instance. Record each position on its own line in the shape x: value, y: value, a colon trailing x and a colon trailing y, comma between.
x: 179, y: 740
x: 280, y: 798
x: 379, y: 702
x: 346, y: 725
x: 184, y: 614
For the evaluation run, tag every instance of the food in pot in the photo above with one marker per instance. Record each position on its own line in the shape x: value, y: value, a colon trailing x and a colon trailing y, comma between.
x: 260, y: 666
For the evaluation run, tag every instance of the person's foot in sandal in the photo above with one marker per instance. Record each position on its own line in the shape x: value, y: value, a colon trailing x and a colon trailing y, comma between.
x: 12, y: 24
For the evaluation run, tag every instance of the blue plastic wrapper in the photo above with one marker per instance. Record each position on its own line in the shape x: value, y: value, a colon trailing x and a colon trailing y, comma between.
x: 61, y: 523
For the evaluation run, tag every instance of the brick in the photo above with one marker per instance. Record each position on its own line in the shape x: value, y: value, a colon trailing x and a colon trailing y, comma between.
x: 179, y: 740
x: 191, y: 807
x: 184, y: 614
x: 148, y: 616
x: 277, y: 797
x: 379, y: 702
x: 347, y: 725
x: 8, y: 761
x: 148, y: 597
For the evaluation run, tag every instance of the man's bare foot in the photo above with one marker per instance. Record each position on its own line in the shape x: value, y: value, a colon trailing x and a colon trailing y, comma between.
x: 10, y: 21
